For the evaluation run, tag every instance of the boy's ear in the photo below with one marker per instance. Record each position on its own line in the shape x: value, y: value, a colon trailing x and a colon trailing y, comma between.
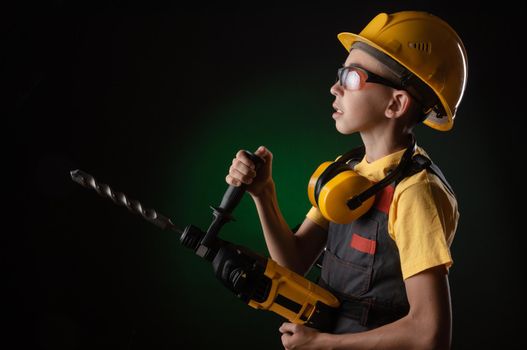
x: 399, y: 104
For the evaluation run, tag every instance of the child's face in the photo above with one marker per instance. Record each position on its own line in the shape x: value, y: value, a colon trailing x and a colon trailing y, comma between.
x: 364, y: 109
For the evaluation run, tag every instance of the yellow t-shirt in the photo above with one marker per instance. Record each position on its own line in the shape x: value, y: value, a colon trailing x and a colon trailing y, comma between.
x: 422, y: 218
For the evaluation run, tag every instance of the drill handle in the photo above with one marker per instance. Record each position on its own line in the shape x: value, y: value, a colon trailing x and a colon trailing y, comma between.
x: 234, y: 194
x: 223, y: 214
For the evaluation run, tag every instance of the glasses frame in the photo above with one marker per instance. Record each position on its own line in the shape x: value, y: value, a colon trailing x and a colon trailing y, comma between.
x: 370, y: 77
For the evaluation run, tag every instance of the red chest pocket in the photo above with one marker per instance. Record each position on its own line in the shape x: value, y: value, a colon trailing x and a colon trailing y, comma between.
x: 362, y: 244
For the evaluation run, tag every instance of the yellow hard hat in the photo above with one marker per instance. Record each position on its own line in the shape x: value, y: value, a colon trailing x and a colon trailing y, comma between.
x: 429, y: 49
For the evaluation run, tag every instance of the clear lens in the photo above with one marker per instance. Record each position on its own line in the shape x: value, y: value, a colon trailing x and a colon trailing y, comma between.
x: 350, y: 78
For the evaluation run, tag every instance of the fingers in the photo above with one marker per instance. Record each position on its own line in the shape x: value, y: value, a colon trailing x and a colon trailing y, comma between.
x: 286, y: 341
x: 264, y: 153
x: 232, y: 181
x: 243, y: 168
x: 241, y: 171
x: 261, y: 151
x: 236, y: 178
x: 287, y: 327
x: 242, y: 158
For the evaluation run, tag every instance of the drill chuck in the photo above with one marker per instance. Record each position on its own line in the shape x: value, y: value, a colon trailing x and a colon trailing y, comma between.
x: 191, y: 237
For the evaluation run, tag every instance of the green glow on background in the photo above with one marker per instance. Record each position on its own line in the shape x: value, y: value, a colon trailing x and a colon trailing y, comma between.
x: 294, y: 123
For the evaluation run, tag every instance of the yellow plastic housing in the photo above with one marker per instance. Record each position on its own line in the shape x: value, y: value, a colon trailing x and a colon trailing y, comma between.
x: 299, y: 290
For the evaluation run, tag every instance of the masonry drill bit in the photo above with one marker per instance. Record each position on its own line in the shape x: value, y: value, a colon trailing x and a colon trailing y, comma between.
x: 88, y: 181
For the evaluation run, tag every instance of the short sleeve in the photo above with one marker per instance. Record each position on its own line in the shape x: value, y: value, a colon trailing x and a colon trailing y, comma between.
x: 424, y: 222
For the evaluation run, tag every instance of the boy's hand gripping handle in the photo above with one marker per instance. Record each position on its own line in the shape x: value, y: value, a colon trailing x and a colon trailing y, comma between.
x: 223, y: 213
x: 234, y: 194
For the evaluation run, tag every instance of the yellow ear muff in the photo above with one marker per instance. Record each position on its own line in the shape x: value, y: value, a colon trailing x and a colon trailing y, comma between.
x: 313, y: 182
x: 334, y: 196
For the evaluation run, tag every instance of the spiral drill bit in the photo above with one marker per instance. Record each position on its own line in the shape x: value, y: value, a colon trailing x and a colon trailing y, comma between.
x: 88, y: 181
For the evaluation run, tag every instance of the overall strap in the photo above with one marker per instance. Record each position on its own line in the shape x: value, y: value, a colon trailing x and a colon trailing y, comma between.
x: 420, y: 162
x: 435, y: 169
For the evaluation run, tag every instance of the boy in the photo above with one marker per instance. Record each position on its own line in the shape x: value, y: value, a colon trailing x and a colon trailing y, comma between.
x: 389, y: 266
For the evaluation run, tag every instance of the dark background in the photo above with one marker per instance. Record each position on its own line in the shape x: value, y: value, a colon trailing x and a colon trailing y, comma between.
x: 156, y: 100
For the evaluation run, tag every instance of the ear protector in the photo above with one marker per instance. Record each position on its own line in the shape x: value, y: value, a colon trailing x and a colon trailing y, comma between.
x: 342, y: 195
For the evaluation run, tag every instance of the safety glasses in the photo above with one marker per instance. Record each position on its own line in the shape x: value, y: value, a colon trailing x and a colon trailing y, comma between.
x: 353, y: 77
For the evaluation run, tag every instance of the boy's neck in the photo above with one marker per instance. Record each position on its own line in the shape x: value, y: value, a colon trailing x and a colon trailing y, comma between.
x: 379, y: 145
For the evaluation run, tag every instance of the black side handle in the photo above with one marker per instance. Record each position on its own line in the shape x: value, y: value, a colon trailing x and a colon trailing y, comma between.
x: 223, y: 213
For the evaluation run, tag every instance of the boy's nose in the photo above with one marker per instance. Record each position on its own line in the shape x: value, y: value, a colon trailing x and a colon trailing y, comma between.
x: 336, y: 89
